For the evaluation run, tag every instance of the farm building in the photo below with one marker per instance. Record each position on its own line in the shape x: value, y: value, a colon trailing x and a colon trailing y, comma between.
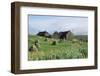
x: 55, y: 35
x: 67, y: 35
x: 44, y: 33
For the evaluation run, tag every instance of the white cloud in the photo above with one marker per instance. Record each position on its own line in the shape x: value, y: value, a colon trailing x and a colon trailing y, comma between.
x: 78, y: 25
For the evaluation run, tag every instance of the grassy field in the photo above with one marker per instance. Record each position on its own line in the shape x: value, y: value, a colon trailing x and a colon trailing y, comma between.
x: 63, y: 49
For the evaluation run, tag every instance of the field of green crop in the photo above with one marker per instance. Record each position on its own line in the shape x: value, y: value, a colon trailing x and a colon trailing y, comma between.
x: 63, y: 49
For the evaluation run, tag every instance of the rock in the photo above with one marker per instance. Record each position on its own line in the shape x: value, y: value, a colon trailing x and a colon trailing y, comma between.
x: 37, y: 45
x: 34, y: 48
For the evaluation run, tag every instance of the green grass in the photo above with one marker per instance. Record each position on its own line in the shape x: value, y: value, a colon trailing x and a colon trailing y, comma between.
x: 63, y: 50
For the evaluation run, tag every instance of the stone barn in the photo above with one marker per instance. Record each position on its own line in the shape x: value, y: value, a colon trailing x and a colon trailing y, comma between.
x: 67, y: 35
x: 44, y: 33
x: 55, y: 35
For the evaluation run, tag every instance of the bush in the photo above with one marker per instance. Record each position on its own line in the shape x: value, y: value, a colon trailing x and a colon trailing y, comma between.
x: 46, y: 39
x: 31, y: 48
x: 36, y: 41
x: 54, y: 43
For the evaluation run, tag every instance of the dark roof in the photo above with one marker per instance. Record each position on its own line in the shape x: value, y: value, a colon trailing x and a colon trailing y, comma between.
x: 64, y: 32
x: 43, y: 32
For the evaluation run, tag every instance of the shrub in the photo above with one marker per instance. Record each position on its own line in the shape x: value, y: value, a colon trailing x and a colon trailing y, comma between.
x: 36, y: 41
x: 46, y: 39
x: 54, y: 43
x: 31, y: 48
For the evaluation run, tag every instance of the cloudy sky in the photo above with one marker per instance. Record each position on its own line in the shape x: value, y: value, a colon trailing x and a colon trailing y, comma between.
x: 78, y: 25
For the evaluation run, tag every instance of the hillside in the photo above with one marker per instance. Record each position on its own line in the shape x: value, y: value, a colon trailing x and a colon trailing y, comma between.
x: 82, y: 37
x: 63, y: 49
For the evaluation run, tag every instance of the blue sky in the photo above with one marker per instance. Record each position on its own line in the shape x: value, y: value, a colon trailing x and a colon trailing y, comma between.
x: 37, y: 23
